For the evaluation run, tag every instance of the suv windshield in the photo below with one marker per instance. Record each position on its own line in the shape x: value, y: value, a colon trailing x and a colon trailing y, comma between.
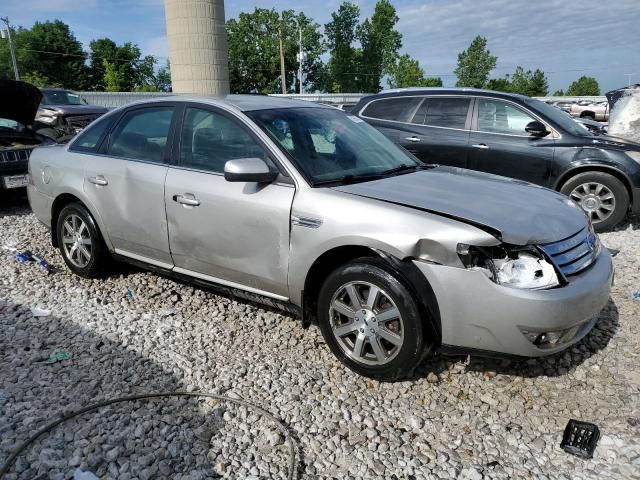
x: 559, y: 117
x: 61, y: 97
x: 329, y: 146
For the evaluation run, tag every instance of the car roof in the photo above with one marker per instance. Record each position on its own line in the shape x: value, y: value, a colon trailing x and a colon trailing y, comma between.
x: 244, y: 103
x: 398, y: 92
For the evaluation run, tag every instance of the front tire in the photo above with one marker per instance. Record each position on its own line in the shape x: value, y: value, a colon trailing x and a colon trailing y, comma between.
x: 370, y: 320
x: 601, y: 195
x: 80, y: 242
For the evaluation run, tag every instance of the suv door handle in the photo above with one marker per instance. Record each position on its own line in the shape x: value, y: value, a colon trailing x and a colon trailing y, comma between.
x: 98, y: 180
x: 184, y: 200
x: 481, y: 146
x: 413, y: 139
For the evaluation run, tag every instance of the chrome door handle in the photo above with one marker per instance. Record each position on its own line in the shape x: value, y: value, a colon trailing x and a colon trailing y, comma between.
x: 413, y: 139
x: 98, y: 180
x: 191, y: 202
x: 481, y: 146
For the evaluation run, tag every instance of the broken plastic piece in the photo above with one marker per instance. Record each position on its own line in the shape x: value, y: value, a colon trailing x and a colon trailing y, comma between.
x: 27, y: 256
x: 60, y: 356
x: 636, y: 295
x: 23, y: 257
x: 580, y: 438
x: 40, y: 312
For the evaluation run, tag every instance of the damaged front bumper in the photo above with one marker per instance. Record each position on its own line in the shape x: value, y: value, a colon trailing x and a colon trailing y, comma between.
x: 477, y: 314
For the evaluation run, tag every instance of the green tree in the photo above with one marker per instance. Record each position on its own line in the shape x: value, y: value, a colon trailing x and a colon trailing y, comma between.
x: 500, y: 84
x: 475, y: 64
x: 342, y: 68
x: 558, y: 93
x: 538, y: 84
x: 136, y: 70
x: 584, y: 86
x: 37, y: 79
x: 48, y: 50
x: 114, y: 80
x: 406, y: 72
x: 254, y: 51
x: 380, y: 44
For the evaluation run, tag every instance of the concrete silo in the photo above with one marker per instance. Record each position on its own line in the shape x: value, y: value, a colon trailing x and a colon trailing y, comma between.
x: 197, y: 46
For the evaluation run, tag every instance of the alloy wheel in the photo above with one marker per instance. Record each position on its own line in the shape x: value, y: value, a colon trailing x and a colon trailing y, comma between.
x: 366, y: 323
x: 596, y: 199
x: 76, y: 241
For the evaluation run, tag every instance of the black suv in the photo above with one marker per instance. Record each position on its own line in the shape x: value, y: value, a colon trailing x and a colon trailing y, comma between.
x: 513, y: 136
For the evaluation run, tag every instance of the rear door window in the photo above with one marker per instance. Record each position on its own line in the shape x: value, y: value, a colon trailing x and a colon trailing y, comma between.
x: 142, y: 134
x: 89, y: 138
x: 397, y: 108
x: 443, y: 112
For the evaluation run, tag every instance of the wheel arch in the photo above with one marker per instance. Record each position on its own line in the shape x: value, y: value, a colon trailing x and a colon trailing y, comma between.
x: 587, y: 113
x: 569, y: 174
x: 61, y: 201
x: 413, y: 278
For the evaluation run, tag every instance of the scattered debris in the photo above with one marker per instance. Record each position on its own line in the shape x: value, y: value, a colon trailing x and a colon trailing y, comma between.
x: 40, y: 312
x: 27, y: 256
x: 580, y: 438
x: 130, y: 295
x: 613, y: 251
x: 636, y: 295
x: 59, y: 356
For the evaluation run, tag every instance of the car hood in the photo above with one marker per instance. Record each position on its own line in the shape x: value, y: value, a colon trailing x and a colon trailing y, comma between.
x: 75, y: 109
x: 517, y: 212
x: 19, y: 101
x: 619, y: 143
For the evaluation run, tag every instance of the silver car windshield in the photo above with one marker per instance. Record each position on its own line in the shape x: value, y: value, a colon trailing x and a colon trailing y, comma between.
x: 328, y: 146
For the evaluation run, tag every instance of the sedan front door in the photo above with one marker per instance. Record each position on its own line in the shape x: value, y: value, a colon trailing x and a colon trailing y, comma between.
x: 500, y: 145
x: 232, y: 233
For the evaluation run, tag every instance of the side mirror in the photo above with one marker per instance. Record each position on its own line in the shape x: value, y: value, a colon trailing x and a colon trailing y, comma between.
x: 536, y: 129
x: 248, y: 170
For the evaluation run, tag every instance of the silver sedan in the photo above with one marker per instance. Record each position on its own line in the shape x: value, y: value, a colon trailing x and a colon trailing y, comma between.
x: 309, y: 209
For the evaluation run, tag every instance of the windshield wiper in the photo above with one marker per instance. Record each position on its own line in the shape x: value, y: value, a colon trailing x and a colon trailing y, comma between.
x: 406, y: 168
x: 347, y: 179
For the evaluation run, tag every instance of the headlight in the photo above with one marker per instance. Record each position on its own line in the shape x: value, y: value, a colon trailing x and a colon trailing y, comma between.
x: 634, y: 155
x: 511, y: 266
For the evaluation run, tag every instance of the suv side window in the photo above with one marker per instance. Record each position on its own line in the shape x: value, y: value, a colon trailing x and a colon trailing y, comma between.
x: 90, y: 137
x: 142, y: 134
x: 496, y: 116
x: 396, y: 108
x: 209, y: 139
x: 450, y: 112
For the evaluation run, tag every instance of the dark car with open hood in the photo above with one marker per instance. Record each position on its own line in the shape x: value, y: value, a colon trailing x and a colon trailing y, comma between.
x: 19, y: 103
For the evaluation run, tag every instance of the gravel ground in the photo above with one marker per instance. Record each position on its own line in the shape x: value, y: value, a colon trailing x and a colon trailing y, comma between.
x: 137, y: 332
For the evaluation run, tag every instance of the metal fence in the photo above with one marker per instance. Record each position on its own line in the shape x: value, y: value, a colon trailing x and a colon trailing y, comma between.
x: 117, y: 99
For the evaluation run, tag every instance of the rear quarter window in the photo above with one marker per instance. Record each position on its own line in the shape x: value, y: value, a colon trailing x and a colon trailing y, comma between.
x: 397, y: 108
x: 89, y: 139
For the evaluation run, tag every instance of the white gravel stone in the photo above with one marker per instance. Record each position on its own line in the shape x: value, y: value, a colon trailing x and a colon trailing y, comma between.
x: 459, y: 418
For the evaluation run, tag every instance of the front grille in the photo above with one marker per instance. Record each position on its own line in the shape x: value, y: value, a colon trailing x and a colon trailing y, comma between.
x: 574, y: 254
x: 81, y: 121
x: 14, y: 156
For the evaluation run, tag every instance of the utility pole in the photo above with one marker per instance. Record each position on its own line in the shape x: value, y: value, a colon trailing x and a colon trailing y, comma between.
x: 13, y: 53
x: 283, y: 79
x: 629, y: 75
x: 300, y: 57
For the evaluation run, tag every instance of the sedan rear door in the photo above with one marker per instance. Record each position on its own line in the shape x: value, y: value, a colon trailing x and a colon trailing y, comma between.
x: 231, y: 233
x: 125, y: 183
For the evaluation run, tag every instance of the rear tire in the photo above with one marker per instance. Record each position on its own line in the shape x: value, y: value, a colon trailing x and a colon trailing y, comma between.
x: 80, y: 241
x: 588, y: 116
x: 601, y: 195
x: 370, y: 320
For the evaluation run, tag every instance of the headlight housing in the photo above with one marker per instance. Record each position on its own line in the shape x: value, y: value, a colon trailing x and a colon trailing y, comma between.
x: 511, y: 266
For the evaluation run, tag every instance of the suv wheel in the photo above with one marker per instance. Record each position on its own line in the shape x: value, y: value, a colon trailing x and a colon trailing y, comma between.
x: 602, y: 196
x: 371, y: 322
x: 80, y: 241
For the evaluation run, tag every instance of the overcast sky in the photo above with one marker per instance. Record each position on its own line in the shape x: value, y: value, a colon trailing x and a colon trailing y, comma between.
x: 566, y: 39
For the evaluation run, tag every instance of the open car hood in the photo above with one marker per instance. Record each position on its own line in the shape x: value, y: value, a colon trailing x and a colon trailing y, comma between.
x: 517, y: 212
x: 19, y: 101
